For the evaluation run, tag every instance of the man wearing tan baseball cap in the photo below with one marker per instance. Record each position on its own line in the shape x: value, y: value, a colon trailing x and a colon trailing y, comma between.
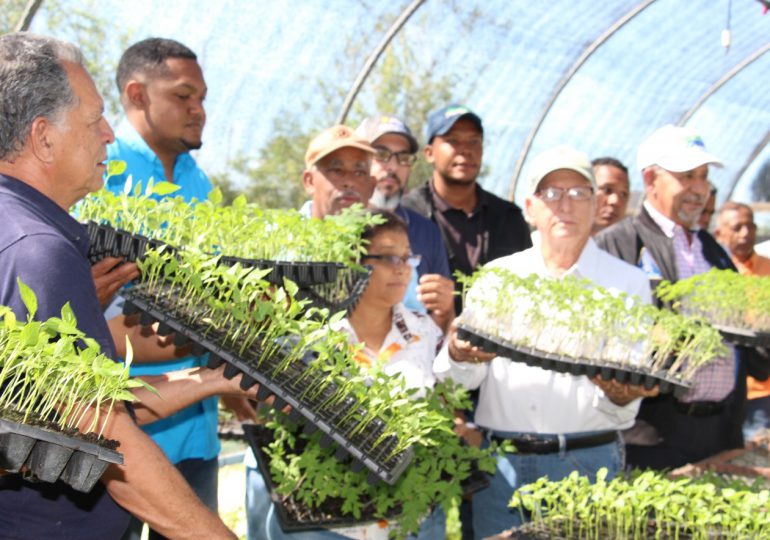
x: 337, y: 171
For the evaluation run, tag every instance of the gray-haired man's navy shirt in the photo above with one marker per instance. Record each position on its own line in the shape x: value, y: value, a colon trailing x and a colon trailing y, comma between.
x: 45, y: 247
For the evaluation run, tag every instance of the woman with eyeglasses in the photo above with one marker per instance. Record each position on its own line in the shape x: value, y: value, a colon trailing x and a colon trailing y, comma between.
x: 400, y: 341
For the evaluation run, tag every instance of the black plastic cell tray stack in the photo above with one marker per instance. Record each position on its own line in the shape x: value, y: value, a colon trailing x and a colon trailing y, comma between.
x: 302, y: 273
x: 107, y: 241
x: 47, y: 456
x: 292, y: 386
x: 742, y: 337
x: 574, y: 366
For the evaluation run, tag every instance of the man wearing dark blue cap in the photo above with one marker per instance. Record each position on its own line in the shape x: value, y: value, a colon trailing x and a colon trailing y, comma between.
x: 476, y: 225
x: 395, y: 151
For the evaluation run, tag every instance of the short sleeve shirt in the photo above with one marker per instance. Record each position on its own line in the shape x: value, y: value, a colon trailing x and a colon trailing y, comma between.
x: 192, y: 432
x: 46, y: 248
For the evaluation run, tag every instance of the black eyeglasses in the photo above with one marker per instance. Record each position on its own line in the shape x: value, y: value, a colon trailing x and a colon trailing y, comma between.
x: 396, y: 260
x: 383, y: 155
x: 555, y: 194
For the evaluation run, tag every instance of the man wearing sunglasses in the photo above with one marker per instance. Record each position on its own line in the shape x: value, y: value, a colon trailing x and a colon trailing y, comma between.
x: 395, y: 148
x: 558, y: 422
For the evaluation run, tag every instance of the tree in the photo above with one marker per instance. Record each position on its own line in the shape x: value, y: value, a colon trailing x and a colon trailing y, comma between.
x: 87, y: 31
x: 400, y: 84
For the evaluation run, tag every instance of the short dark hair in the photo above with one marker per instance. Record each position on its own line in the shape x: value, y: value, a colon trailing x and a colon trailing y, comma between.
x: 149, y: 56
x: 611, y: 161
x: 392, y: 223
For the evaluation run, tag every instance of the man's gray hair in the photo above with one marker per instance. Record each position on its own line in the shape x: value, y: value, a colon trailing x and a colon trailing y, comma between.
x: 33, y: 84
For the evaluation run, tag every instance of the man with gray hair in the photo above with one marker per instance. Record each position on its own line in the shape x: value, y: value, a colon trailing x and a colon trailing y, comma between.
x: 52, y: 153
x: 664, y: 240
x: 558, y: 422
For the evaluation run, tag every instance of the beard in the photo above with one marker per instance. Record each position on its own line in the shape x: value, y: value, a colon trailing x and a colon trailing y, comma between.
x: 192, y: 145
x: 383, y: 201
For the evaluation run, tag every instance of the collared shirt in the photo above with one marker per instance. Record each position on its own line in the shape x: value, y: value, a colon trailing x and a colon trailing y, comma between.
x: 142, y: 165
x: 688, y: 253
x: 515, y: 397
x: 465, y: 233
x: 191, y: 432
x: 46, y: 248
x: 408, y: 350
x: 756, y: 265
x: 716, y: 380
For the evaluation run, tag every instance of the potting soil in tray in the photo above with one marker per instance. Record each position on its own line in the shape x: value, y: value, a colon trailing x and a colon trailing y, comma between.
x: 294, y: 384
x: 39, y: 453
x: 745, y: 338
x: 574, y: 366
x: 293, y: 515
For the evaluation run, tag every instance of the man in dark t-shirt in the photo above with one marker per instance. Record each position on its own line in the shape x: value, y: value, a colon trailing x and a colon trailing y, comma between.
x: 52, y: 153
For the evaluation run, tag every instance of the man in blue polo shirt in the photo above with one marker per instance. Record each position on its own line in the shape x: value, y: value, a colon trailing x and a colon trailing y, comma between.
x: 52, y: 153
x: 432, y: 287
x: 162, y: 91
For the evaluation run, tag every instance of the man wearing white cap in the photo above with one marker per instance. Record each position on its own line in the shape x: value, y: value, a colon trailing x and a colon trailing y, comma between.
x: 558, y: 422
x: 665, y: 241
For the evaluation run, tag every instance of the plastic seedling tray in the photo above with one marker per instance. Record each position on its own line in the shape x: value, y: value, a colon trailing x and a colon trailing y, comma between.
x: 107, y: 241
x: 47, y: 456
x: 292, y: 386
x: 342, y: 295
x: 303, y: 274
x: 292, y: 515
x: 743, y: 337
x: 637, y: 375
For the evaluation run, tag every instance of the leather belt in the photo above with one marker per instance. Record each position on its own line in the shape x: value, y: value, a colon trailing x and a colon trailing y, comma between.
x: 700, y: 408
x: 550, y: 444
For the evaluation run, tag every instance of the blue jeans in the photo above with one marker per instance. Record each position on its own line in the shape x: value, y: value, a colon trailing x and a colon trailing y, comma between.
x: 757, y: 416
x: 203, y: 477
x: 491, y: 514
x: 262, y: 523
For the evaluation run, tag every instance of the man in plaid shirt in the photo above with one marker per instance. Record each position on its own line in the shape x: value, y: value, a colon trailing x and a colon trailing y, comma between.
x: 665, y: 241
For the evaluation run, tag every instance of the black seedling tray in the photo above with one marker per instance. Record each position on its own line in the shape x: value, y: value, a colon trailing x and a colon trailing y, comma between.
x: 294, y: 385
x: 302, y: 273
x: 742, y: 337
x: 47, y: 456
x: 107, y: 241
x: 342, y: 295
x: 574, y: 366
x: 294, y: 516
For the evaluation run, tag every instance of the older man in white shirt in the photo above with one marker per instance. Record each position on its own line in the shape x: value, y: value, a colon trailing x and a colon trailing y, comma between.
x: 558, y: 422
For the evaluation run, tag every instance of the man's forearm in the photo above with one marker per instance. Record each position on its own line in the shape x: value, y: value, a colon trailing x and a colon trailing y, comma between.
x: 147, y: 346
x: 177, y: 390
x: 150, y: 487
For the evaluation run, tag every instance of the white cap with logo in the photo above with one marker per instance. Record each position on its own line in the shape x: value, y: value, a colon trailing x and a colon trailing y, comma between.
x: 676, y: 149
x: 560, y: 157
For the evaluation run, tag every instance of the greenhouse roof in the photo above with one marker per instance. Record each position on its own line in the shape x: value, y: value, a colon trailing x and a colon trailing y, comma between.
x: 600, y: 76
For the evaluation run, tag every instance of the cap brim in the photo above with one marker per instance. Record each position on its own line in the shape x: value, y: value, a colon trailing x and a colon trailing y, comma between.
x: 342, y: 144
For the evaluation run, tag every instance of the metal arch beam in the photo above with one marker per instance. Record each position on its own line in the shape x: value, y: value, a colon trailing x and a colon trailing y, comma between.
x: 724, y: 79
x: 374, y: 56
x: 746, y: 164
x: 584, y: 56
